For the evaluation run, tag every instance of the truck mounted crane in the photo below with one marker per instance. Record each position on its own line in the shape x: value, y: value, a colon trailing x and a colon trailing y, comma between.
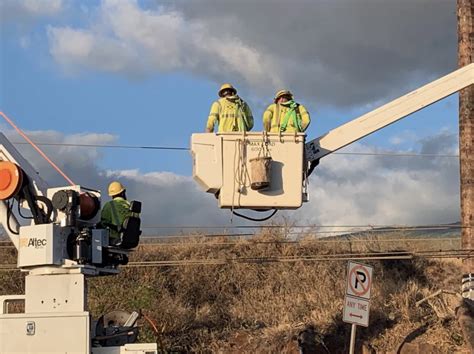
x: 61, y: 245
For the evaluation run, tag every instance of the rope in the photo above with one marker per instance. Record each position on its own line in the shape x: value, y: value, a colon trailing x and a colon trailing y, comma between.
x: 111, y: 146
x: 19, y: 131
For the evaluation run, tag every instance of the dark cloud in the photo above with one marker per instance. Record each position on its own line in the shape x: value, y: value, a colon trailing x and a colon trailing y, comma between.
x: 344, y: 53
x: 28, y: 10
x: 341, y: 52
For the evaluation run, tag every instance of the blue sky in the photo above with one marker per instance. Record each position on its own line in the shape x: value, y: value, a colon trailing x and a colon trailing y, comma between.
x: 158, y: 88
x: 160, y: 109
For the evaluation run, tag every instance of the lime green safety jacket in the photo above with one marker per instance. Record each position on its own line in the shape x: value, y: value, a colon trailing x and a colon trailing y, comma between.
x: 288, y: 117
x: 232, y: 114
x: 114, y: 214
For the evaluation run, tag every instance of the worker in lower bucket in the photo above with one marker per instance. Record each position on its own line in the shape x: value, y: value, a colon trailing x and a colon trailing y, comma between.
x: 115, y: 211
x: 285, y: 115
x: 230, y: 112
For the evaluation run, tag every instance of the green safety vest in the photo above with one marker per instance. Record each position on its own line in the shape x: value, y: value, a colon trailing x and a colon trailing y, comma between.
x: 114, y: 214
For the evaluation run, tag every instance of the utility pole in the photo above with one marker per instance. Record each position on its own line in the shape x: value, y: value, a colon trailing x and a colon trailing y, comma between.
x: 465, y: 312
x: 465, y: 12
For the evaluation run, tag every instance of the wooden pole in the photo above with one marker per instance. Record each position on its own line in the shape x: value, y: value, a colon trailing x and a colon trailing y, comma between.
x: 465, y: 13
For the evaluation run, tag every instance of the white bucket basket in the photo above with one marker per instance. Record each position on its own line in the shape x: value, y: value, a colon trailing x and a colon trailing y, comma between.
x: 238, y: 169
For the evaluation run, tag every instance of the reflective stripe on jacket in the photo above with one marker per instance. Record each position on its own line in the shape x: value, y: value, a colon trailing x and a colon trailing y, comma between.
x: 231, y: 115
x: 114, y: 214
x: 275, y: 113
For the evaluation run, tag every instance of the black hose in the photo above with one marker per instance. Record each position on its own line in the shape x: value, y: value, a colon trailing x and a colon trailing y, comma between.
x: 49, y: 207
x: 19, y: 212
x: 254, y: 219
x: 9, y: 214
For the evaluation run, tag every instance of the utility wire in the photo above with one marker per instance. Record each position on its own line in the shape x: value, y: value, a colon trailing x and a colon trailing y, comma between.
x: 180, y: 148
x: 368, y: 227
x: 301, y: 243
x: 391, y: 255
x: 298, y: 242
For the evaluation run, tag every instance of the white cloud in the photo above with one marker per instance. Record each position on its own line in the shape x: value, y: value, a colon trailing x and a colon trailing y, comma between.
x: 344, y: 189
x: 134, y: 41
x: 343, y: 52
x: 406, y: 136
x: 380, y: 190
x: 168, y: 199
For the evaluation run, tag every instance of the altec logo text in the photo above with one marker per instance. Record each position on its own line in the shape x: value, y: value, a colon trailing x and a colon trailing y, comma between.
x: 33, y: 242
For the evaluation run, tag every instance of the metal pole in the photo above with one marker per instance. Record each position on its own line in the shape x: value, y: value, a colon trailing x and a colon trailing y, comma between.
x: 353, y: 339
x: 465, y: 12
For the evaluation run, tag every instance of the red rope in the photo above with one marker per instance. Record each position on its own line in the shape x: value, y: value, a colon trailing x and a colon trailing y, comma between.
x: 37, y: 149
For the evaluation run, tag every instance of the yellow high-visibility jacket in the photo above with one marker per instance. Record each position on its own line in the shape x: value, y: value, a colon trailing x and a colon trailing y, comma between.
x: 275, y: 114
x: 231, y: 115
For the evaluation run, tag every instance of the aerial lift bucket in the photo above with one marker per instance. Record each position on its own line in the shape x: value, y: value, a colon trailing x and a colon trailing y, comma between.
x: 253, y: 170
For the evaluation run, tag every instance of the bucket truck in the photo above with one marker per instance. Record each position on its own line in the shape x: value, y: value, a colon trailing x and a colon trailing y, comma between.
x: 260, y: 170
x: 263, y: 171
x: 59, y: 248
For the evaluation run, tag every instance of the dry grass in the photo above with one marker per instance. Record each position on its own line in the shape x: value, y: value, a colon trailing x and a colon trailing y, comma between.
x: 266, y: 307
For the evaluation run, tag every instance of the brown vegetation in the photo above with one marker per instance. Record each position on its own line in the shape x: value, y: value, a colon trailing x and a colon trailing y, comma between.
x: 262, y: 300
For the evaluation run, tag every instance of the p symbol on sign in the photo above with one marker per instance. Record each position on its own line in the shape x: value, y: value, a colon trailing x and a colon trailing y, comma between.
x: 360, y: 278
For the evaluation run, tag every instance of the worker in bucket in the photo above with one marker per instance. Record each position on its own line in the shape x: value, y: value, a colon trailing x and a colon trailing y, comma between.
x: 229, y: 112
x: 115, y: 211
x: 285, y: 115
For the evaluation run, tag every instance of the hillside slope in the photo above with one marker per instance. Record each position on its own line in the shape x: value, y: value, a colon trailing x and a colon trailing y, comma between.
x: 265, y: 297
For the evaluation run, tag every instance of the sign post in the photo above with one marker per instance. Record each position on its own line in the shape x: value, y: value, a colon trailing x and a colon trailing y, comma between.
x: 353, y: 338
x: 357, y: 298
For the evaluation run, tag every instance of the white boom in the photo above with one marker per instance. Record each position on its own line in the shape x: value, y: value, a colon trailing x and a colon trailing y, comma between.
x: 389, y: 113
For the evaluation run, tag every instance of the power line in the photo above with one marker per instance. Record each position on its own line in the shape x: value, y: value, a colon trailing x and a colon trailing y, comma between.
x: 181, y: 148
x: 394, y: 154
x: 375, y: 227
x: 298, y: 242
x: 164, y: 242
x: 390, y: 255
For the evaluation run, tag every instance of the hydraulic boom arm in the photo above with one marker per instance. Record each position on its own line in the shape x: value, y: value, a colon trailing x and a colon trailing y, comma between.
x: 389, y: 113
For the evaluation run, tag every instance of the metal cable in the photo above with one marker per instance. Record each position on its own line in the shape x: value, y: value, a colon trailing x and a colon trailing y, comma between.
x: 181, y: 148
x: 390, y: 255
x: 302, y: 243
x: 164, y: 242
x: 376, y: 227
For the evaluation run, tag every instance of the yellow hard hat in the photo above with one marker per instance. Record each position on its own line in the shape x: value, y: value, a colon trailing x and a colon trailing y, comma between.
x: 283, y: 93
x: 226, y: 87
x: 115, y: 188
